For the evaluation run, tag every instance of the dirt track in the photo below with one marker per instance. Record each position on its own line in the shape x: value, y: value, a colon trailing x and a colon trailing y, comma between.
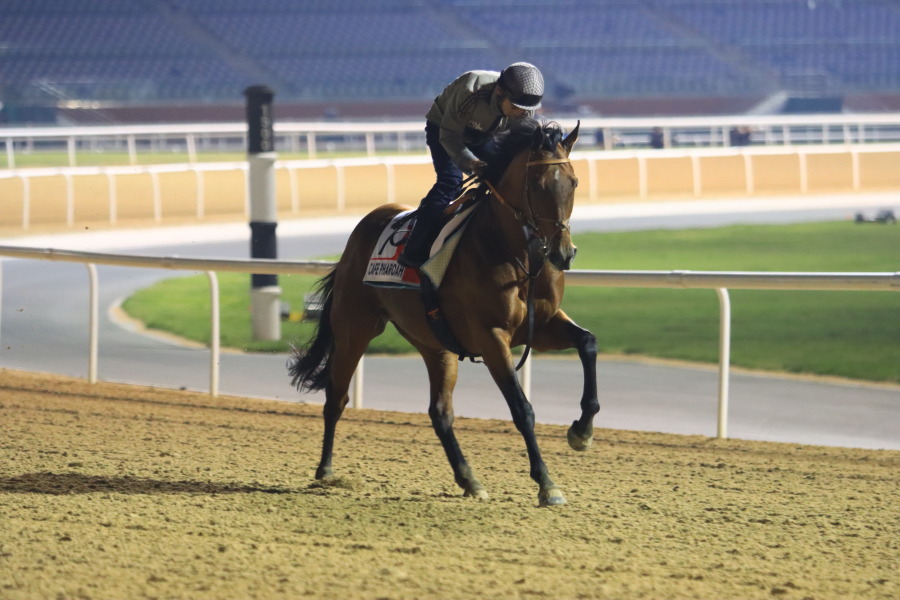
x: 110, y: 491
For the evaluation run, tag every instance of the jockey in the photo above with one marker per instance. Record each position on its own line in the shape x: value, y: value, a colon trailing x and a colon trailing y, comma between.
x: 458, y: 127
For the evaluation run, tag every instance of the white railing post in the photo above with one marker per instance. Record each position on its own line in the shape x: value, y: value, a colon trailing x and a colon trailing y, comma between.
x: 157, y: 197
x: 26, y: 201
x: 70, y: 200
x: 391, y: 184
x: 191, y: 142
x: 593, y: 192
x: 356, y: 384
x: 132, y: 150
x: 93, y: 322
x: 295, y: 192
x: 246, y: 174
x: 525, y: 377
x: 696, y: 175
x: 201, y: 193
x: 113, y: 205
x: 214, y: 333
x: 10, y: 154
x: 724, y: 360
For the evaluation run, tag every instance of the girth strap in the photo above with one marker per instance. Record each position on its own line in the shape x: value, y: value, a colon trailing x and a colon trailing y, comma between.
x: 436, y: 321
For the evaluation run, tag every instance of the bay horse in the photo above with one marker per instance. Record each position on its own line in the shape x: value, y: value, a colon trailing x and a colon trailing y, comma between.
x: 517, y: 239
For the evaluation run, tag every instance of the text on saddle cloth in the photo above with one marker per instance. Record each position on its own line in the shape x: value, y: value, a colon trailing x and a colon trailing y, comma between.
x: 383, y: 269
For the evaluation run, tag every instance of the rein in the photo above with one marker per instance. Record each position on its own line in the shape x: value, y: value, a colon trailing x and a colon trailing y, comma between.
x: 531, y: 225
x: 537, y: 246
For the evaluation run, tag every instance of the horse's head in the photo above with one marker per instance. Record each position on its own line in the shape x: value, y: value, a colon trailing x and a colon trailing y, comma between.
x: 539, y: 186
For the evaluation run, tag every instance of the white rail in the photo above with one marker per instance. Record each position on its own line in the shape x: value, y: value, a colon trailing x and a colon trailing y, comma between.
x: 698, y: 131
x: 592, y: 190
x: 715, y: 280
x: 199, y: 170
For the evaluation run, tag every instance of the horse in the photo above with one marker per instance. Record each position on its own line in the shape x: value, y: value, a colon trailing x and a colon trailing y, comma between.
x: 517, y: 244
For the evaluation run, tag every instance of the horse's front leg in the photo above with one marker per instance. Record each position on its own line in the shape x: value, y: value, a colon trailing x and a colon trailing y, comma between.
x: 498, y: 360
x: 560, y: 333
x: 442, y: 371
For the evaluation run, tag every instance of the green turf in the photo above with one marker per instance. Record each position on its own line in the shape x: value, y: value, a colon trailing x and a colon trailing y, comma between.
x: 848, y: 334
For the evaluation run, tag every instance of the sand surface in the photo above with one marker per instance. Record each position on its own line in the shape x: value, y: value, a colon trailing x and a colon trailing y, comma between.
x: 111, y: 491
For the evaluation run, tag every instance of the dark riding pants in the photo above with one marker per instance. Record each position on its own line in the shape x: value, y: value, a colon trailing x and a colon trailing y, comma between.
x: 447, y: 187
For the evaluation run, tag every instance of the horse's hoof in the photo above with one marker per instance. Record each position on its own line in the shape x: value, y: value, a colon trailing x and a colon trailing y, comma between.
x: 551, y: 497
x: 477, y: 493
x: 324, y: 472
x: 577, y: 442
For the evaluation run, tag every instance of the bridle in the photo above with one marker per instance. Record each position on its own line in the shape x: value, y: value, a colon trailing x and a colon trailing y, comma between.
x: 535, y: 241
x: 538, y: 245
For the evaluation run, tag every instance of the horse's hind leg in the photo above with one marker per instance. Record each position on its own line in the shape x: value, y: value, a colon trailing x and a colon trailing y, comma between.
x: 334, y: 408
x: 352, y: 337
x: 442, y: 371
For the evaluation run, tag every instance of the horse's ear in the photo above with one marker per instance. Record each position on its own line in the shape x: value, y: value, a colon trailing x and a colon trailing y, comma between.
x: 537, y: 137
x: 570, y: 139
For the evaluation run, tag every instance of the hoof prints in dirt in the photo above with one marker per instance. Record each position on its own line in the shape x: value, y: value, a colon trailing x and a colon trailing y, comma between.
x: 113, y: 491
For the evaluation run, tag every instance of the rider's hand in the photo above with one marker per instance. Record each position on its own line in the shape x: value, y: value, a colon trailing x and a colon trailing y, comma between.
x: 477, y: 167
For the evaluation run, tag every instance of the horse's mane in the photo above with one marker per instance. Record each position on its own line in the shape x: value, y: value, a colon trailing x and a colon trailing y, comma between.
x: 527, y: 133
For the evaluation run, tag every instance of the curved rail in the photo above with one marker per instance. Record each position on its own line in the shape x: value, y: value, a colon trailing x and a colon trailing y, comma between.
x: 720, y: 281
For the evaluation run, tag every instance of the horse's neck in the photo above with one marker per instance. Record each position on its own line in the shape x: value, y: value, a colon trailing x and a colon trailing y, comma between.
x: 498, y: 254
x: 497, y: 232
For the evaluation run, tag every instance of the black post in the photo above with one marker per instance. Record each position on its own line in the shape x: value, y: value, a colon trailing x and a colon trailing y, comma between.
x: 265, y: 293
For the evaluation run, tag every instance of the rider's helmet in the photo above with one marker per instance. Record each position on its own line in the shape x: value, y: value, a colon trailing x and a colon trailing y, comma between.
x: 523, y: 84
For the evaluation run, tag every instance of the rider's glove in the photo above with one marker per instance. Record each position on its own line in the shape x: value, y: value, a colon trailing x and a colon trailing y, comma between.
x: 476, y: 167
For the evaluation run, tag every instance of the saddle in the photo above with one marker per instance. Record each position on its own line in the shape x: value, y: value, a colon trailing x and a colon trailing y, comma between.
x: 383, y: 269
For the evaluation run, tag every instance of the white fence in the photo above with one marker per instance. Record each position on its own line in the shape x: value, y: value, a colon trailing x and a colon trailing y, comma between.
x: 404, y: 136
x: 798, y: 158
x: 200, y: 170
x: 718, y: 281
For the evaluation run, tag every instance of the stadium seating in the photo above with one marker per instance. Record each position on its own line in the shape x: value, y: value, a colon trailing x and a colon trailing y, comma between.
x: 130, y: 51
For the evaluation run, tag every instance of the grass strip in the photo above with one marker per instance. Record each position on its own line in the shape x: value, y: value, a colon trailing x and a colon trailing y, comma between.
x: 846, y: 334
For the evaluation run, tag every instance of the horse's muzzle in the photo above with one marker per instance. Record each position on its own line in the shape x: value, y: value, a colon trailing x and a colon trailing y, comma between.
x: 563, y: 257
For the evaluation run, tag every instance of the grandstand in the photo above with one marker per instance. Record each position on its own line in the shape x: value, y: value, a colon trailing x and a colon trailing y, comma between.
x: 146, y: 60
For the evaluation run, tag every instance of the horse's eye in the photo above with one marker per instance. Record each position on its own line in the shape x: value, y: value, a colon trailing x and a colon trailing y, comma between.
x: 575, y: 182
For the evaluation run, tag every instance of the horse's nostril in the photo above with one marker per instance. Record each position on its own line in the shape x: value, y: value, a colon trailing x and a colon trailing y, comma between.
x: 561, y: 261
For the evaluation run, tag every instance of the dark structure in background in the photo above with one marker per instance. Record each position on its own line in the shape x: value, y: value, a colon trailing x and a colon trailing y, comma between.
x: 265, y: 295
x: 188, y: 60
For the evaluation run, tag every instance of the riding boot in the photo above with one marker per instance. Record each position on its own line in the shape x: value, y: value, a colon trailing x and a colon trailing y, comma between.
x: 418, y: 246
x: 428, y: 223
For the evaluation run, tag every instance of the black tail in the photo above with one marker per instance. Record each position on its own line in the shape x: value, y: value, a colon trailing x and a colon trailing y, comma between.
x: 310, y: 364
